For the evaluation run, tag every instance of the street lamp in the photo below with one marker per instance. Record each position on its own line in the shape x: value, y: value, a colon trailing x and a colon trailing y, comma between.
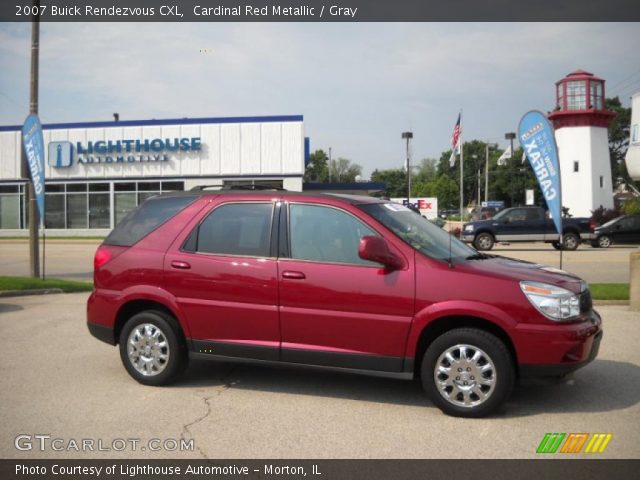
x: 486, y: 169
x: 510, y: 136
x: 408, y: 136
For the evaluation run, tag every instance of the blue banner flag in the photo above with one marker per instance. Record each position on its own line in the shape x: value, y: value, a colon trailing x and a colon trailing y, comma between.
x: 538, y: 141
x: 34, y: 152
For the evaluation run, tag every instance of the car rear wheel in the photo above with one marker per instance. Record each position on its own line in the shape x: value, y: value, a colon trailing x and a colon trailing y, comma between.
x: 483, y: 241
x: 604, y: 241
x: 467, y: 372
x: 152, y: 349
x: 570, y: 241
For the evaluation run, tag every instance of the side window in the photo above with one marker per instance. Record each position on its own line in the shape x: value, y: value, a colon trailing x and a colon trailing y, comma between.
x: 326, y: 234
x: 234, y: 229
x: 516, y: 215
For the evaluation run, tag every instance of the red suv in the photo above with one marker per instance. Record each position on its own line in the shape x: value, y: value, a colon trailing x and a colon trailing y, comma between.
x: 333, y: 280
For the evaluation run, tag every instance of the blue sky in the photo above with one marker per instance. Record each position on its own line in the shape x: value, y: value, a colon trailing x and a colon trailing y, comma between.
x: 358, y: 85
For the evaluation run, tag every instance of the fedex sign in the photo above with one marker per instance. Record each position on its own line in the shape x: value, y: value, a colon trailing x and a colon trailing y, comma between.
x: 428, y: 206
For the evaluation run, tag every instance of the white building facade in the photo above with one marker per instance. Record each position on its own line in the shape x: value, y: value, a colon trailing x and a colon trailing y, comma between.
x: 632, y: 158
x: 95, y: 173
x: 581, y: 120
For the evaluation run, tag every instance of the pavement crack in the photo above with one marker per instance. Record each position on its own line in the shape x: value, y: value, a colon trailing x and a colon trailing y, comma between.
x: 186, y: 432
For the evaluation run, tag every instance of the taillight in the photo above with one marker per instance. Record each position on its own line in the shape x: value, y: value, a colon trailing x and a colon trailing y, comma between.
x: 102, y: 256
x: 592, y: 225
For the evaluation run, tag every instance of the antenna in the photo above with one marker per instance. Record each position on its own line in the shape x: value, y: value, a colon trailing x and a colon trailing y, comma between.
x: 449, y: 260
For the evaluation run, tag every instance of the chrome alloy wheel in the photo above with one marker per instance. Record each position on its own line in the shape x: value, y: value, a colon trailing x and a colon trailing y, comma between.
x: 465, y: 375
x: 148, y: 349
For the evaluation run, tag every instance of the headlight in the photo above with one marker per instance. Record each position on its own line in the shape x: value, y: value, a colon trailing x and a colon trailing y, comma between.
x: 553, y: 302
x: 468, y: 228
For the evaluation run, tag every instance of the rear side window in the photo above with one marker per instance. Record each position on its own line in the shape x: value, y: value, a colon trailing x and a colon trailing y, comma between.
x: 146, y: 218
x: 234, y: 229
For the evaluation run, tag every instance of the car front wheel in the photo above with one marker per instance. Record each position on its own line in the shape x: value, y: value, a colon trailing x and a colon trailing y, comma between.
x: 604, y: 241
x: 152, y: 349
x: 467, y: 372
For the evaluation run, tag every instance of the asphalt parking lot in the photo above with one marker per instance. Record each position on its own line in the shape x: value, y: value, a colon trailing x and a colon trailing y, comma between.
x: 57, y: 380
x: 73, y: 259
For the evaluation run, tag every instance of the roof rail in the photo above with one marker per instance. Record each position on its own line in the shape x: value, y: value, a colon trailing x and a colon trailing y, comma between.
x: 237, y: 187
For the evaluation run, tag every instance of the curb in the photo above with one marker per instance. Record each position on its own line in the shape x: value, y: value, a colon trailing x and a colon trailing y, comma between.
x: 603, y: 303
x: 24, y: 293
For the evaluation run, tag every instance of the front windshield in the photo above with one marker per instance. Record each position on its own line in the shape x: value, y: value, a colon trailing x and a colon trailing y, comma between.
x: 418, y: 232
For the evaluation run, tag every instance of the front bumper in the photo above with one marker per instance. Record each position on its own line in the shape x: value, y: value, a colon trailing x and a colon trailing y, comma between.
x: 558, y: 349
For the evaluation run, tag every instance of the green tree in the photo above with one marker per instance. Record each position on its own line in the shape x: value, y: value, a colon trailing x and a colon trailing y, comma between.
x: 395, y: 181
x: 318, y: 167
x: 618, y: 139
x: 444, y: 188
x: 427, y: 170
x: 343, y: 171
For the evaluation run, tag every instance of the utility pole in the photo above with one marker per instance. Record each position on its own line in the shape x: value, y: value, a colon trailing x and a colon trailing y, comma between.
x: 30, y: 197
x: 408, y: 136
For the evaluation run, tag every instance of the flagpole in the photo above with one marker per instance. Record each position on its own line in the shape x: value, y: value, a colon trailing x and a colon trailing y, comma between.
x: 461, y: 175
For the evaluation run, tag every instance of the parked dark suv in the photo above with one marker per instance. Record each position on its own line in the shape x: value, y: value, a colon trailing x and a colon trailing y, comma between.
x: 333, y: 280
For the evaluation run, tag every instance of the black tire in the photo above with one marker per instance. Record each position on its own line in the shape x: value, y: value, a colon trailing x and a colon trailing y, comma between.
x: 484, y: 241
x: 570, y: 241
x: 604, y: 241
x: 164, y: 330
x: 491, y: 349
x: 556, y: 245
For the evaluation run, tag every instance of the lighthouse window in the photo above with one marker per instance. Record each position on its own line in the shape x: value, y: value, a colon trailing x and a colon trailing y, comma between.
x: 596, y: 96
x: 601, y: 181
x: 576, y: 95
x: 576, y: 166
x: 634, y: 133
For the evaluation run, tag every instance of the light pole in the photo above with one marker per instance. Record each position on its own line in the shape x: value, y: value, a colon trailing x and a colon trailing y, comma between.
x: 408, y: 136
x: 510, y: 136
x: 486, y: 169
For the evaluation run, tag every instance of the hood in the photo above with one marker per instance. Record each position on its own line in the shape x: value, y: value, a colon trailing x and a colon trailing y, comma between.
x: 514, y: 269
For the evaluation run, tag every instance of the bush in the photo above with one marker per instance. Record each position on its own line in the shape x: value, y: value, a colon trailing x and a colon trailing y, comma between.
x: 602, y: 215
x: 632, y: 207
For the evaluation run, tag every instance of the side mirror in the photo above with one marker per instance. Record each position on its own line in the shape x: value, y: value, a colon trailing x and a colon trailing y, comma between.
x: 375, y: 249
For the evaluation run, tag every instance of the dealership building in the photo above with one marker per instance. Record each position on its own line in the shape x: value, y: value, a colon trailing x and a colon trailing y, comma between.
x: 95, y: 173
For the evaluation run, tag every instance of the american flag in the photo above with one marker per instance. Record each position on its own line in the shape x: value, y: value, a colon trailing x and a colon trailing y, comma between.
x: 455, y: 136
x: 455, y: 142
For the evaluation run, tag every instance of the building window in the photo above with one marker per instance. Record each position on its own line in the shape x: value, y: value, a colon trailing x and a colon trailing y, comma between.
x: 601, y: 181
x: 10, y: 199
x: 576, y: 166
x: 576, y: 95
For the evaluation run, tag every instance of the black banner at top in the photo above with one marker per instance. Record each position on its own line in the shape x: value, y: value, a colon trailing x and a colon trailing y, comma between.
x: 320, y: 10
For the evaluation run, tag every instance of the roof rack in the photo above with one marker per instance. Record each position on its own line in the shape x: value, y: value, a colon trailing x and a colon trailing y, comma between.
x: 200, y: 188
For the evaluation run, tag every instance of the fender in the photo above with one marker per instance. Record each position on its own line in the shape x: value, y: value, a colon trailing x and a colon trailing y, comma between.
x: 455, y: 308
x: 155, y: 294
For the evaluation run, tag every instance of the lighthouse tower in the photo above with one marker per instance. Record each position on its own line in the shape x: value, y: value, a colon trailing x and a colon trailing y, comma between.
x: 581, y: 122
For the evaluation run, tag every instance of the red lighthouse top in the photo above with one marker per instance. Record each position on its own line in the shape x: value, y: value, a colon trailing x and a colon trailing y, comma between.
x: 580, y: 102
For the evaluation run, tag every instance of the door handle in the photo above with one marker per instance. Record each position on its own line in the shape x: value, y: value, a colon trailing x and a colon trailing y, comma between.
x: 293, y: 275
x: 180, y: 265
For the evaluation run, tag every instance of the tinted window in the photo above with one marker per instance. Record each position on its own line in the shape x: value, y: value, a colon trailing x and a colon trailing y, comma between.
x: 235, y: 229
x: 325, y: 234
x: 146, y: 218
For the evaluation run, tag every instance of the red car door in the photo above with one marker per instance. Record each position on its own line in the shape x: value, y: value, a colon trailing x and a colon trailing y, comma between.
x: 336, y: 308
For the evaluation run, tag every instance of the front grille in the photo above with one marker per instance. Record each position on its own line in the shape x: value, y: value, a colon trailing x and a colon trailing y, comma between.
x: 585, y: 302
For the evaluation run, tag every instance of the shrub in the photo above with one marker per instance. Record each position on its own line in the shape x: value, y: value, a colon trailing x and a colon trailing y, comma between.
x: 632, y: 206
x: 602, y: 215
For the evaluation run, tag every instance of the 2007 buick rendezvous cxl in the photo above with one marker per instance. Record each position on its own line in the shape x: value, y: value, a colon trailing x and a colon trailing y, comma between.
x: 332, y: 280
